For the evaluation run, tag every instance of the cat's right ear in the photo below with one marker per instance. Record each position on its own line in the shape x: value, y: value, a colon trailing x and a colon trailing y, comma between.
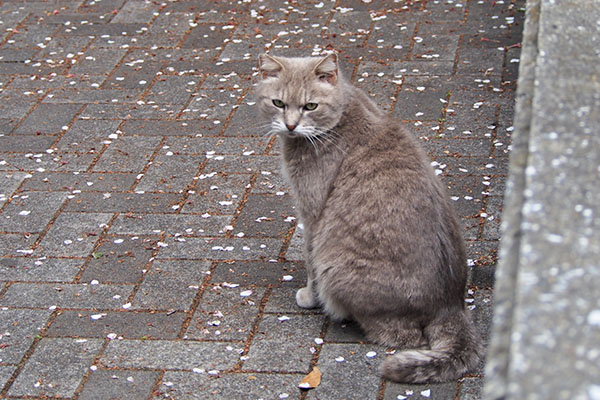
x: 269, y: 66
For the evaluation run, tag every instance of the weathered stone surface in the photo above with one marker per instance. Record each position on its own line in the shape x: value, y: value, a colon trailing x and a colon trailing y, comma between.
x: 40, y: 377
x: 19, y: 328
x: 548, y: 278
x: 112, y: 384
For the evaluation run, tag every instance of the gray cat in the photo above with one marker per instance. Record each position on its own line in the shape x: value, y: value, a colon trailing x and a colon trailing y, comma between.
x: 383, y: 246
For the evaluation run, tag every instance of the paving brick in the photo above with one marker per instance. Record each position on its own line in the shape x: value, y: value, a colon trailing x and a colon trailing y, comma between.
x: 124, y: 202
x: 6, y: 372
x: 22, y: 144
x: 214, y: 104
x: 97, y: 61
x: 295, y: 249
x: 85, y: 182
x: 212, y: 146
x: 132, y: 75
x: 39, y: 270
x: 65, y: 295
x: 259, y: 273
x: 128, y: 325
x: 471, y: 389
x: 172, y: 89
x: 171, y: 173
x: 493, y: 210
x: 73, y: 234
x: 283, y: 300
x: 265, y: 165
x: 172, y: 224
x: 48, y: 119
x: 31, y: 211
x: 345, y: 332
x: 127, y: 154
x: 73, y: 162
x: 283, y: 345
x: 191, y: 385
x: 355, y: 367
x: 171, y: 285
x: 19, y: 328
x: 87, y: 135
x: 163, y: 354
x: 16, y: 244
x: 9, y: 182
x: 442, y: 391
x: 224, y: 314
x: 115, y: 384
x: 482, y: 311
x: 221, y: 249
x: 7, y: 125
x: 40, y: 377
x: 119, y: 260
x: 127, y: 111
x: 265, y: 216
x: 419, y: 102
x: 13, y: 105
x: 169, y: 128
x: 217, y: 193
x: 207, y: 36
x: 92, y: 95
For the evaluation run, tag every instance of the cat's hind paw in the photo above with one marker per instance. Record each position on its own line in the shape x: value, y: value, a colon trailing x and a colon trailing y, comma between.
x: 305, y: 298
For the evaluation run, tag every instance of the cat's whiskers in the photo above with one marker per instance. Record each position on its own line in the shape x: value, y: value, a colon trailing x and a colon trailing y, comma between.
x: 326, y: 136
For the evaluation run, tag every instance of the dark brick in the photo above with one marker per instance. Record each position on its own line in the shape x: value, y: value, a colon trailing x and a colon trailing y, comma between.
x: 259, y: 273
x: 115, y: 384
x: 119, y: 260
x: 265, y: 216
x: 128, y: 324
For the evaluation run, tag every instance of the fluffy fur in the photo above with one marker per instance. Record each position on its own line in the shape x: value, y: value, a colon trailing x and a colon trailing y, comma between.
x: 382, y: 244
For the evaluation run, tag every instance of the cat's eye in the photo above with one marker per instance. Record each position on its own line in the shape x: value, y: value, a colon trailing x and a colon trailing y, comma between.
x: 310, y: 106
x: 278, y: 103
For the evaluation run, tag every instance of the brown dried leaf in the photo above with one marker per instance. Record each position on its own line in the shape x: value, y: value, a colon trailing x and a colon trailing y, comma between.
x: 312, y: 380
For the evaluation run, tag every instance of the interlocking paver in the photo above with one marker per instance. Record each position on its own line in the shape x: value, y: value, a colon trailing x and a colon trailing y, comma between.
x: 283, y: 343
x: 348, y: 365
x: 30, y: 211
x: 41, y: 377
x: 128, y: 324
x: 189, y: 385
x: 119, y: 260
x: 163, y: 354
x: 170, y: 285
x: 42, y: 269
x: 19, y: 328
x: 115, y: 384
x: 224, y: 314
x: 66, y: 295
x: 142, y: 198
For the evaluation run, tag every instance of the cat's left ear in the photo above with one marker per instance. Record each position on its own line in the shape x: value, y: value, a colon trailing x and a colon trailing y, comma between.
x: 327, y: 69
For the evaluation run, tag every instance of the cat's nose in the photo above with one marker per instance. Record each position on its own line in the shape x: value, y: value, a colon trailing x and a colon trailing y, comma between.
x: 290, y: 127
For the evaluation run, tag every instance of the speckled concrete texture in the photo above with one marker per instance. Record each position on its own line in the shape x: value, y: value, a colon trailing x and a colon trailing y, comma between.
x: 547, y: 323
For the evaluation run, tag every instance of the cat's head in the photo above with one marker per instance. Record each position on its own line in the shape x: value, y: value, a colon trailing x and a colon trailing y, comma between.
x: 300, y: 96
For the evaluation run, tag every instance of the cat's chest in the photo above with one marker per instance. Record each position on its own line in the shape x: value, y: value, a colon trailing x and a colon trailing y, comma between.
x: 311, y: 178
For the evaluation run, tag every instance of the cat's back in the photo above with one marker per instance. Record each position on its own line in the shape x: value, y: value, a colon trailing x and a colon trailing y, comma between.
x: 380, y: 145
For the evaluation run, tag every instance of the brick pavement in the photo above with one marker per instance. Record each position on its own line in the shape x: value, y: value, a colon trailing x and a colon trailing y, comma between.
x: 148, y: 246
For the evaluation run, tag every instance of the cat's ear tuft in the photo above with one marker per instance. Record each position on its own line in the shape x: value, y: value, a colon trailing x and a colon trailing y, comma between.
x: 327, y: 69
x: 269, y: 66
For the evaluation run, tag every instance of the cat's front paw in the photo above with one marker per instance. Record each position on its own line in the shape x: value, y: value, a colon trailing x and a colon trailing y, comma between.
x: 305, y: 298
